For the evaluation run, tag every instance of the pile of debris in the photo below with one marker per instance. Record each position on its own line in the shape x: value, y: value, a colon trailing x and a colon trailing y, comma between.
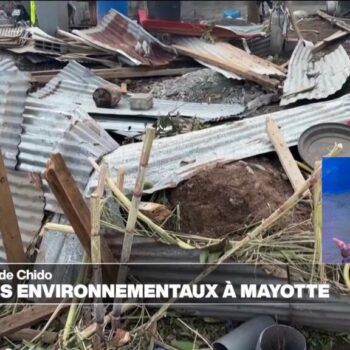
x: 70, y: 161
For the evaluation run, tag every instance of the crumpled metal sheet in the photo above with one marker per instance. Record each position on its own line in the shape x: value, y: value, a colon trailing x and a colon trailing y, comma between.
x: 174, y: 159
x: 28, y: 199
x: 13, y: 89
x: 82, y: 139
x: 229, y: 53
x: 47, y: 129
x: 44, y: 126
x: 12, y: 37
x: 118, y: 34
x: 76, y: 75
x: 314, y: 76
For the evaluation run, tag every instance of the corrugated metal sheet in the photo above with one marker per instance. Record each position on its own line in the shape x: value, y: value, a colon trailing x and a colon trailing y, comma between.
x: 314, y: 76
x: 12, y: 37
x: 7, y: 64
x: 259, y: 46
x: 83, y: 139
x: 223, y: 143
x: 13, y: 90
x: 74, y: 85
x: 28, y: 198
x: 74, y: 73
x: 47, y: 129
x: 162, y: 108
x: 229, y: 53
x: 43, y: 127
x: 118, y: 34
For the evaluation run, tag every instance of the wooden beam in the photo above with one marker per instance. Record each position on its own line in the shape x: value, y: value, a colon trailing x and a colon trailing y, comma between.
x: 28, y: 334
x: 31, y: 315
x: 335, y: 21
x: 9, y: 228
x: 72, y: 202
x: 288, y: 162
x: 231, y: 66
x: 293, y: 20
x: 119, y: 73
x: 340, y: 34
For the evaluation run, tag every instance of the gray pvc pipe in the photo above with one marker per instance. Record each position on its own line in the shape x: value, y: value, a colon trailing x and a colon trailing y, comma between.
x: 280, y: 337
x: 244, y: 337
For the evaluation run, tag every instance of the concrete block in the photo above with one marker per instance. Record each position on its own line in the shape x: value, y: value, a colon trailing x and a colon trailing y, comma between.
x: 141, y: 102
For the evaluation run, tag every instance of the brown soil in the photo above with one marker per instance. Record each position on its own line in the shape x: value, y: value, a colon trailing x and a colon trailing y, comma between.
x: 230, y: 198
x: 314, y: 29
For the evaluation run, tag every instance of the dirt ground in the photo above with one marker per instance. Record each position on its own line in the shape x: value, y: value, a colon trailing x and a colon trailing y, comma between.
x: 313, y: 29
x: 228, y: 199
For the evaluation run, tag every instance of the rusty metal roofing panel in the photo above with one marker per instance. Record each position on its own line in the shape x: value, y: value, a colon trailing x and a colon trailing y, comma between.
x: 222, y: 143
x: 28, y: 199
x: 229, y: 53
x: 315, y: 76
x: 119, y: 34
x: 13, y: 91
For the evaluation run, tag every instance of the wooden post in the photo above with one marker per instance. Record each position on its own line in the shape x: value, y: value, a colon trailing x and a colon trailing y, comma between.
x: 287, y: 160
x: 253, y: 12
x: 231, y: 66
x: 293, y: 20
x: 9, y: 228
x: 72, y: 202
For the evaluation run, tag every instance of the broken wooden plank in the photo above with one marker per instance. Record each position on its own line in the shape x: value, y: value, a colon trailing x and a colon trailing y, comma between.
x: 72, y: 202
x: 28, y: 334
x: 9, y: 228
x: 340, y: 34
x: 333, y: 20
x: 31, y: 315
x: 119, y: 73
x: 287, y: 160
x: 231, y: 66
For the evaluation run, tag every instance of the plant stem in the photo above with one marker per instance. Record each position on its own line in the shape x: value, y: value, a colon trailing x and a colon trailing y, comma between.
x: 96, y: 244
x: 132, y: 217
x: 74, y: 305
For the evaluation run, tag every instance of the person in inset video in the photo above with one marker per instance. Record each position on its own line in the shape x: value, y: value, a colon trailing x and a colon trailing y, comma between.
x: 344, y: 250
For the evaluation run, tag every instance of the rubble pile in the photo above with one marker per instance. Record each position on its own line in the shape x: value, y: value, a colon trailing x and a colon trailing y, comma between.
x: 163, y: 142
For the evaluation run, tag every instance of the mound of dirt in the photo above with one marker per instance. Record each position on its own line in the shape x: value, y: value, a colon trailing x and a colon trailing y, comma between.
x: 231, y: 198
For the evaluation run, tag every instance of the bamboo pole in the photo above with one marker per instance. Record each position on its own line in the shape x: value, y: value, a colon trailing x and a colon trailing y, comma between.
x: 96, y: 245
x: 259, y: 230
x: 317, y: 222
x: 120, y: 178
x: 124, y: 200
x: 71, y: 318
x: 132, y: 217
